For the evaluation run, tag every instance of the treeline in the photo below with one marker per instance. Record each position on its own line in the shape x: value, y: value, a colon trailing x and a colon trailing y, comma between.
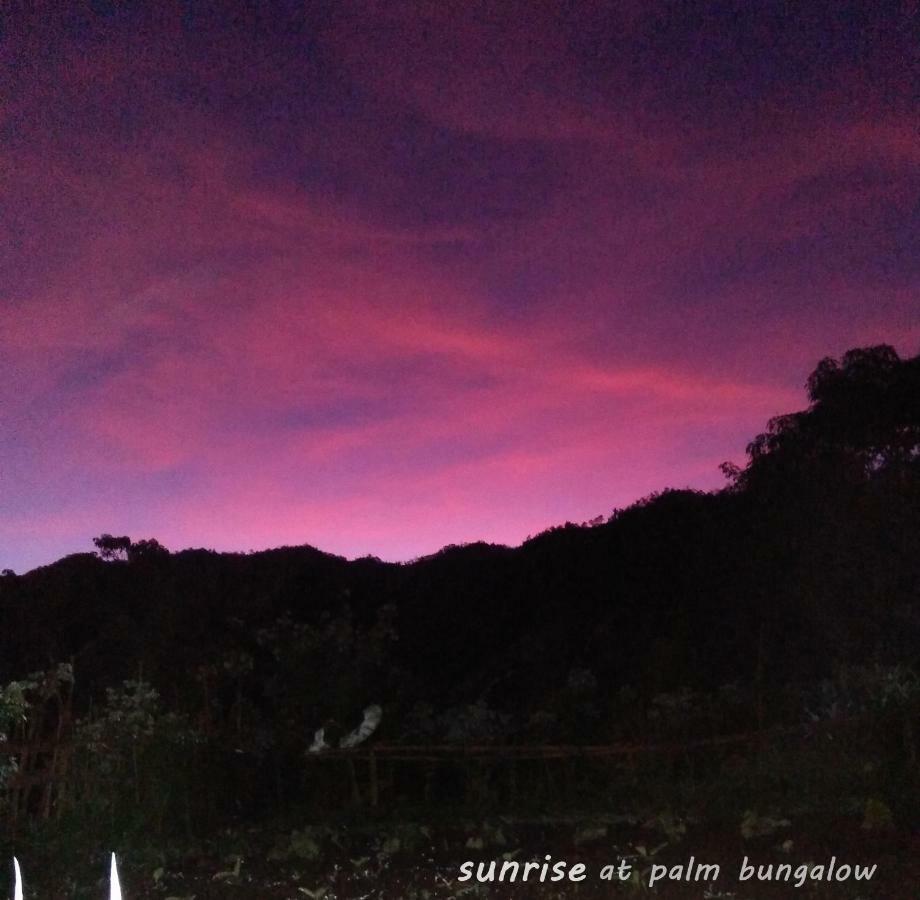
x: 808, y: 562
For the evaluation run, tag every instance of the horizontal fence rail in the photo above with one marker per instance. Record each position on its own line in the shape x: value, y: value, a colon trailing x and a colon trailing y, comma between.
x: 444, y: 752
x: 43, y: 763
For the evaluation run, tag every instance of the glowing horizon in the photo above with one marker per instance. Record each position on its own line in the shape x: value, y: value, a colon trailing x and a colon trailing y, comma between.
x: 380, y: 279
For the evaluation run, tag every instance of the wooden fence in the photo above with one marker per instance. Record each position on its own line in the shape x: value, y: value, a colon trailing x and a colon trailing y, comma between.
x: 363, y: 776
x: 367, y: 786
x: 40, y: 751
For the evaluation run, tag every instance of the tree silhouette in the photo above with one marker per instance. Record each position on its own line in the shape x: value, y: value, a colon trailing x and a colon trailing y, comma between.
x: 112, y: 548
x: 863, y: 419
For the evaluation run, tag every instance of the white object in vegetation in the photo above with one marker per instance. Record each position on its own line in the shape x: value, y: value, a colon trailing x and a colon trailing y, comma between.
x: 114, y: 884
x: 372, y: 716
x: 17, y: 884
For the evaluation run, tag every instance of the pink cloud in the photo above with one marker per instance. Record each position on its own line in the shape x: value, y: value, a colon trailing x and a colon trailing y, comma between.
x: 456, y: 294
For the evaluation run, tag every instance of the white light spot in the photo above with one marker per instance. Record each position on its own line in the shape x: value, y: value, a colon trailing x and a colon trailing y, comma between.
x: 17, y: 883
x: 114, y: 885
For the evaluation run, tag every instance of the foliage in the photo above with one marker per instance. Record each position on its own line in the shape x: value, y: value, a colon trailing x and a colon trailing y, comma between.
x: 123, y: 549
x: 861, y: 690
x: 131, y: 761
x: 19, y: 699
x: 326, y: 672
x: 474, y: 723
x: 110, y: 547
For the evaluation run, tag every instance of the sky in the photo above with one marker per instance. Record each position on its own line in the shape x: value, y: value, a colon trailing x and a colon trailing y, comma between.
x: 382, y: 276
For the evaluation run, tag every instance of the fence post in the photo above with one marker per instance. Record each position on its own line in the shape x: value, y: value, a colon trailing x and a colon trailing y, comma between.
x: 372, y: 775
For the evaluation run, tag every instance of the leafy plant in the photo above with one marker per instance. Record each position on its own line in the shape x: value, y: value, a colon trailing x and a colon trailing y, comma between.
x: 131, y: 760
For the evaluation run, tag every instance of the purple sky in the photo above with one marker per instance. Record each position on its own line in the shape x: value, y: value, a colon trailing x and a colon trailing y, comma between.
x: 384, y: 276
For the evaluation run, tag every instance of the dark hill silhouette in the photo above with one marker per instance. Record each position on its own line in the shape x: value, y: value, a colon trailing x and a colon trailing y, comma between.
x: 809, y: 558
